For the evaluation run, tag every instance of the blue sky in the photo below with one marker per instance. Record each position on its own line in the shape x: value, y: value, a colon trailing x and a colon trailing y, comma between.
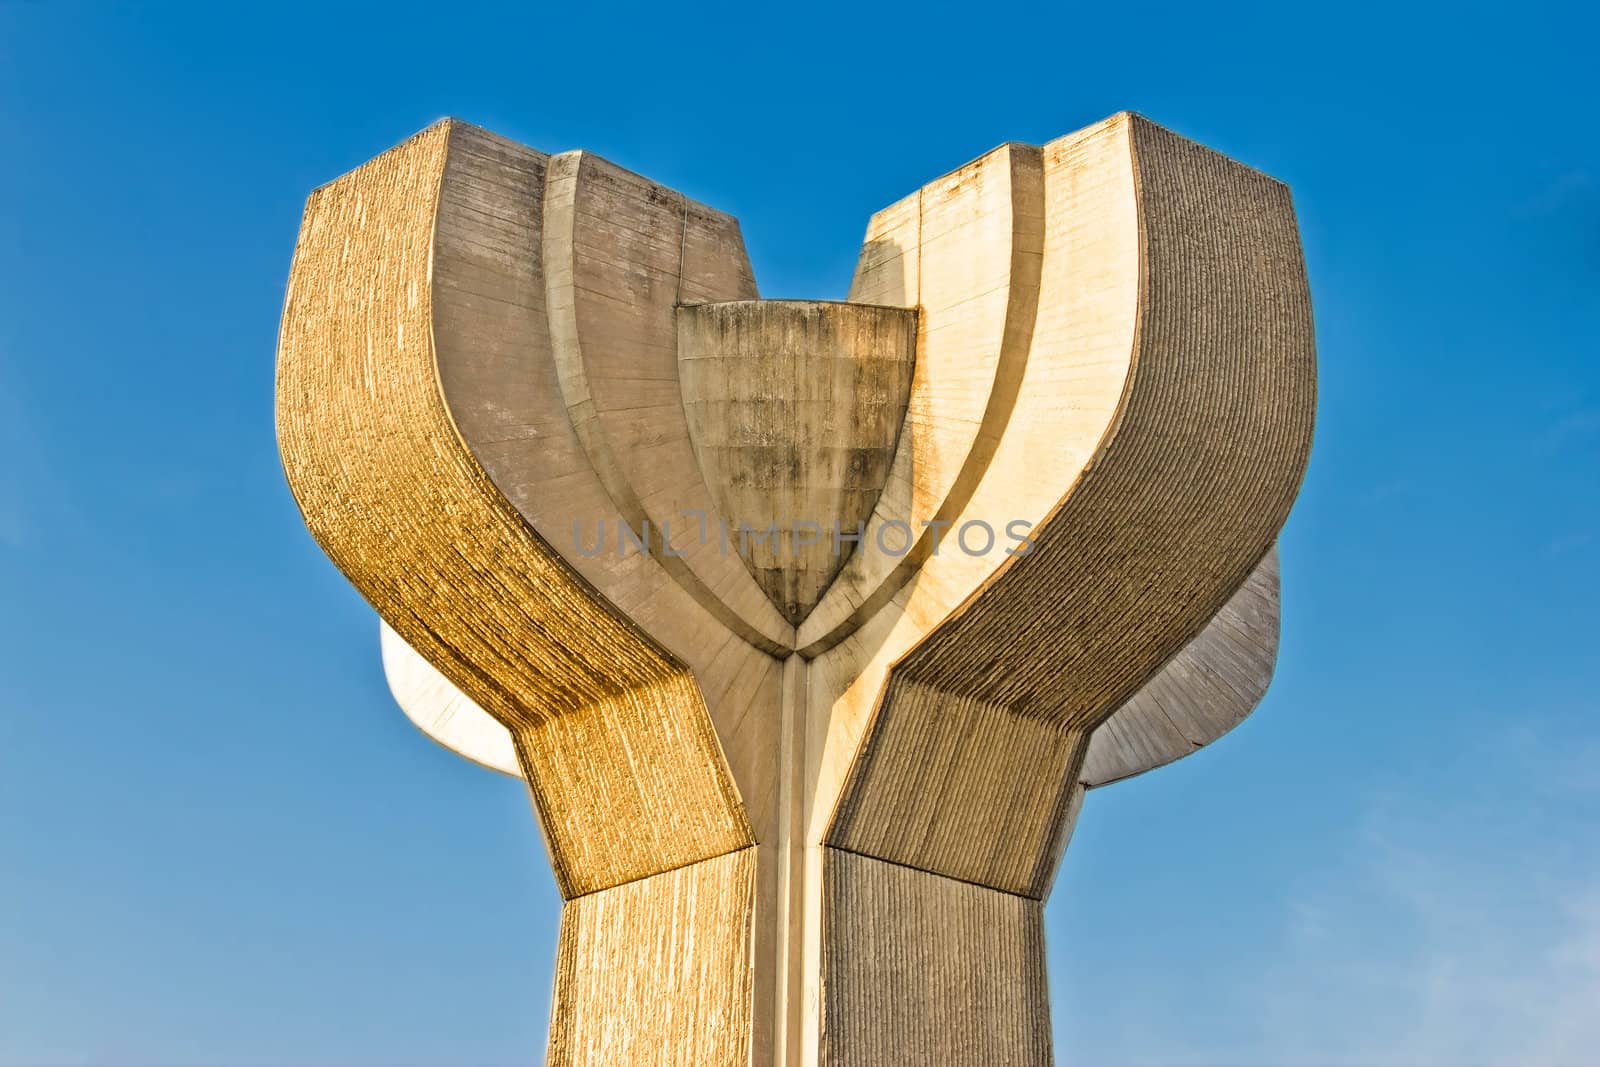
x: 221, y: 844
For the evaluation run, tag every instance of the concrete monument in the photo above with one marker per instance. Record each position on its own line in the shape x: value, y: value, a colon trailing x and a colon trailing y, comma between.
x: 807, y: 624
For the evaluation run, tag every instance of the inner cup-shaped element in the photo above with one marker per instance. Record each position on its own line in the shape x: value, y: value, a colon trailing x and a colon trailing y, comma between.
x: 794, y: 410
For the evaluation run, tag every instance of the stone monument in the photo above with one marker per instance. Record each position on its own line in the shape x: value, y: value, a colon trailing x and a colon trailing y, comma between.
x: 808, y: 624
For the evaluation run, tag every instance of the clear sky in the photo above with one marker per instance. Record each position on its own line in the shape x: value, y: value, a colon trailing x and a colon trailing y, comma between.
x: 222, y: 845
